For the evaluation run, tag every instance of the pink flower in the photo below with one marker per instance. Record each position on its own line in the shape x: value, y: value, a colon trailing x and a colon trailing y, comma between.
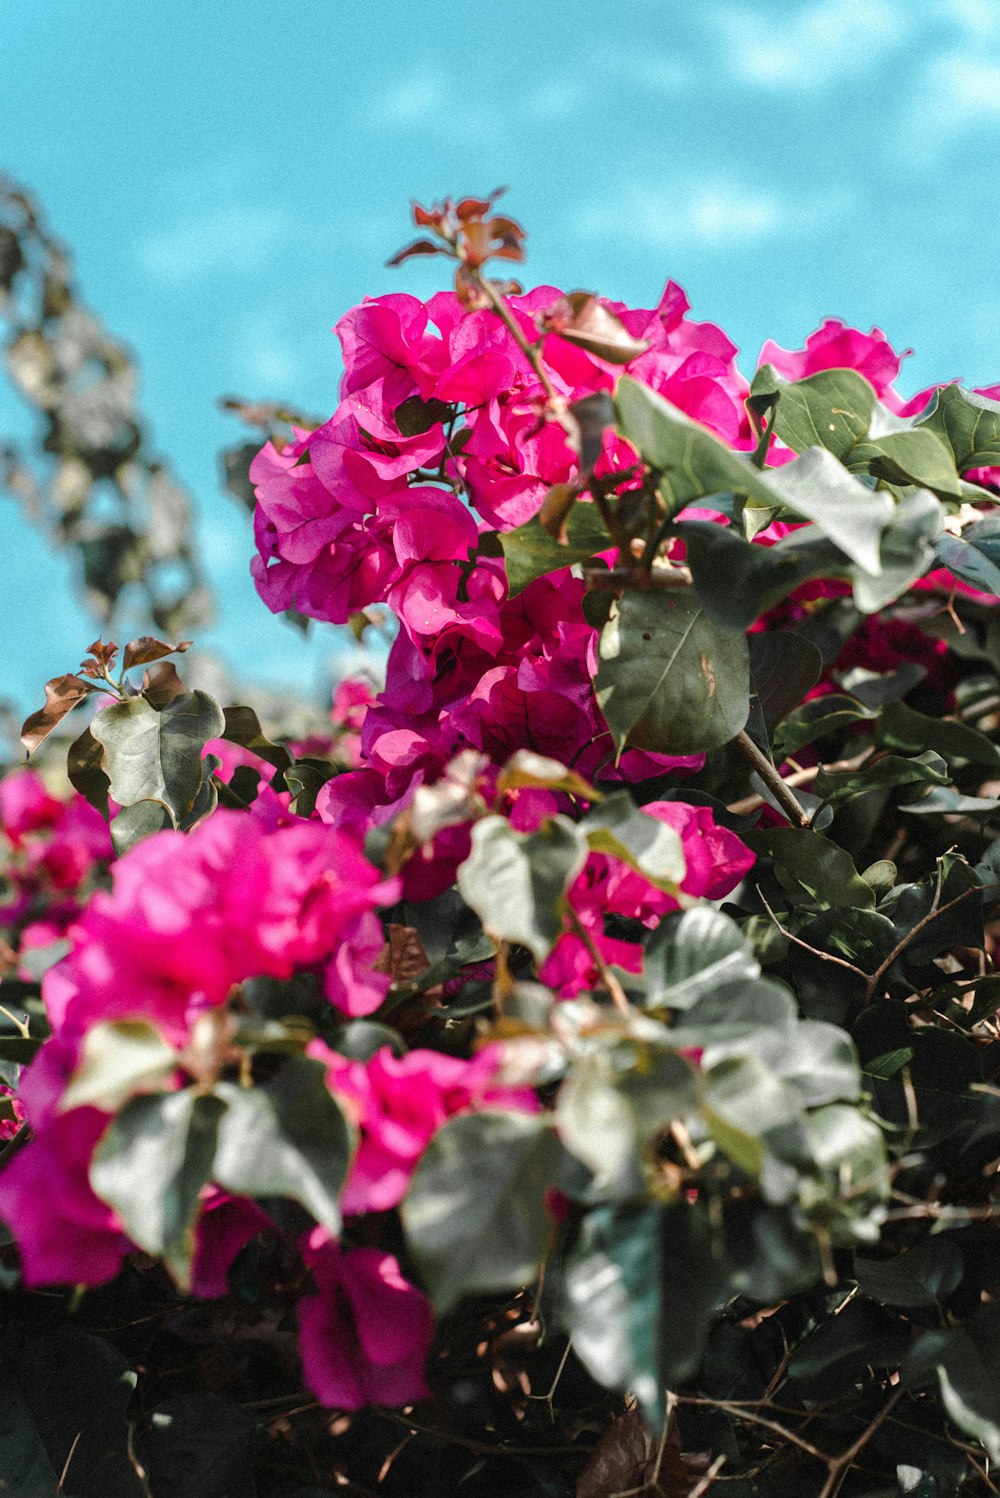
x: 366, y: 1332
x: 836, y: 346
x: 226, y: 1225
x: 65, y: 1234
x: 190, y: 915
x: 400, y: 1103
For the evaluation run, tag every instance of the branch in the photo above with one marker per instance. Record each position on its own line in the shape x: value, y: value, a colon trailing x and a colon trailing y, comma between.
x: 785, y: 798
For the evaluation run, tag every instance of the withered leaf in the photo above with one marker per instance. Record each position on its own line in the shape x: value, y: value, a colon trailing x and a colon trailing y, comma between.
x: 62, y: 694
x: 147, y: 648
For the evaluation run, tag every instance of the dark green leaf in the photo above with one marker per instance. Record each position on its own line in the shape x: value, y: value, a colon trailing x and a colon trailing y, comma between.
x: 199, y: 1446
x: 783, y: 668
x: 968, y: 423
x: 288, y: 1137
x: 815, y: 719
x: 668, y: 679
x: 151, y: 1165
x: 925, y: 1275
x: 901, y: 727
x: 640, y: 1288
x: 242, y: 726
x: 84, y: 766
x: 828, y: 1360
x: 892, y: 770
x: 475, y: 1216
x: 943, y: 801
x: 530, y: 552
x: 63, y: 1398
x: 736, y: 581
x: 915, y: 455
x: 967, y: 561
x: 516, y: 882
x: 811, y: 869
x: 690, y: 461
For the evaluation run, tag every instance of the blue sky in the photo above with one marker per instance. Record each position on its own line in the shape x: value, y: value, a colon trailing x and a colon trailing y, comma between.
x: 231, y: 178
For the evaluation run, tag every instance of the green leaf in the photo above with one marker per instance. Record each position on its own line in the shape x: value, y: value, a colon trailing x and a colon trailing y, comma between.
x: 668, y: 679
x: 119, y: 1058
x: 906, y: 551
x: 784, y: 666
x: 517, y: 882
x: 750, y: 1111
x: 242, y: 726
x: 694, y: 954
x: 530, y: 552
x: 84, y: 766
x: 474, y: 1216
x: 967, y: 1362
x: 646, y: 844
x: 943, y: 801
x: 156, y: 756
x: 811, y: 869
x: 63, y: 1400
x: 848, y: 512
x: 640, y: 1288
x: 914, y: 455
x: 690, y: 461
x: 970, y: 562
x: 831, y: 409
x: 289, y: 1137
x: 925, y: 1275
x: 613, y: 1105
x: 891, y: 771
x: 968, y: 423
x: 901, y: 727
x: 132, y: 823
x: 815, y: 719
x: 830, y: 1358
x: 736, y: 581
x: 851, y: 1148
x: 151, y: 1165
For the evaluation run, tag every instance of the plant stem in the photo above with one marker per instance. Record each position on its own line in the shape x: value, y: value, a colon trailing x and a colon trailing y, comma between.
x: 784, y: 796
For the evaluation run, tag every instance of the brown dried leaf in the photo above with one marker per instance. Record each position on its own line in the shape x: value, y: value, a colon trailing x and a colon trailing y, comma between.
x: 62, y: 694
x: 147, y: 648
x: 161, y: 684
x: 627, y: 1459
x: 583, y: 320
x: 418, y: 247
x: 403, y: 956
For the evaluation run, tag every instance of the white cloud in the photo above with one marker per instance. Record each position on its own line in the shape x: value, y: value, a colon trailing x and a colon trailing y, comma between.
x: 411, y: 100
x: 811, y: 48
x: 234, y: 238
x: 711, y: 214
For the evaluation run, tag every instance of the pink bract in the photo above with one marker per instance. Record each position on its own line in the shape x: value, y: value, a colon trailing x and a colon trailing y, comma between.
x: 366, y: 1331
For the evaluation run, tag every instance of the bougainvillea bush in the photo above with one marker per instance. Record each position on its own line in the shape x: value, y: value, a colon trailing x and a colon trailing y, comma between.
x: 575, y: 1071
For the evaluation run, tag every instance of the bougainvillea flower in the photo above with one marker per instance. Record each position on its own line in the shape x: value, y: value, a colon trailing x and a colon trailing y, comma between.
x: 365, y: 1333
x: 400, y: 1102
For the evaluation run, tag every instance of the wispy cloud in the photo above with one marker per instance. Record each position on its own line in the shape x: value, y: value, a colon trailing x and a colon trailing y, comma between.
x: 715, y: 214
x: 811, y: 48
x: 220, y: 241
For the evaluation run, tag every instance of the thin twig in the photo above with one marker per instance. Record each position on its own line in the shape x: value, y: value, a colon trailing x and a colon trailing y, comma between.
x: 636, y: 579
x: 748, y: 804
x: 617, y: 994
x: 772, y: 779
x: 530, y: 351
x: 815, y: 951
x: 62, y: 1478
x: 901, y: 946
x: 839, y: 1466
